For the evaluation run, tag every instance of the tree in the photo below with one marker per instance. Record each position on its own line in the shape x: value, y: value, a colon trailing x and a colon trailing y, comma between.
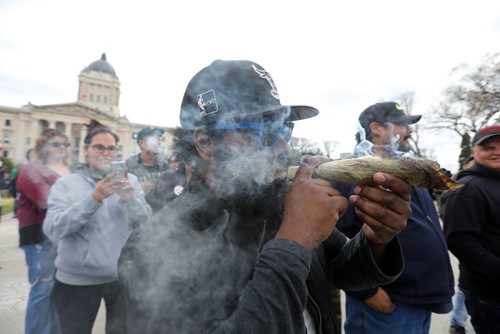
x: 472, y: 102
x: 406, y: 101
x: 329, y: 147
x: 465, y: 151
x: 7, y: 162
x: 301, y: 146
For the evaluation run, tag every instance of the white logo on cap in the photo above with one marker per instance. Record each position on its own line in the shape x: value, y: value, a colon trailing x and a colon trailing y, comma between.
x: 178, y: 190
x: 265, y: 75
x: 207, y: 103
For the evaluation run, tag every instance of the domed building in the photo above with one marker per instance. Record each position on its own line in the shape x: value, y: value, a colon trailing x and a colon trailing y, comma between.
x: 98, y: 98
x: 99, y: 86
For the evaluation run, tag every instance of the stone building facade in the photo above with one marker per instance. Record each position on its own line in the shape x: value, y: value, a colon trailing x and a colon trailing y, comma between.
x: 98, y: 98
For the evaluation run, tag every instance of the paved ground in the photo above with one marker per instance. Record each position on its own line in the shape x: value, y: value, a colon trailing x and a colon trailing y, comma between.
x: 14, y: 286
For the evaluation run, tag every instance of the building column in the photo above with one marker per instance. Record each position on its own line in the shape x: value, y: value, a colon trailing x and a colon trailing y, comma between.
x: 83, y: 133
x: 68, y: 132
x: 35, y: 130
x: 21, y: 137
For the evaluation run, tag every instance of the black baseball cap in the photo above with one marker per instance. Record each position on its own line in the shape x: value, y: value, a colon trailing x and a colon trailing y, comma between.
x: 149, y: 130
x: 485, y: 133
x: 234, y: 90
x: 386, y: 112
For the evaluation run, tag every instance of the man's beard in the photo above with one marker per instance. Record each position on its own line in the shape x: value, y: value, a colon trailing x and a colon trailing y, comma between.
x: 404, y: 146
x: 395, y: 147
x: 247, y: 182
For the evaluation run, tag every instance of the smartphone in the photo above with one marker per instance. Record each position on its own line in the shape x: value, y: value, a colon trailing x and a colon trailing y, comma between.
x: 118, y: 166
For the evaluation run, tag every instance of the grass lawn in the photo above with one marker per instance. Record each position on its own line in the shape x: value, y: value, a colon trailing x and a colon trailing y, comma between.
x: 7, y: 204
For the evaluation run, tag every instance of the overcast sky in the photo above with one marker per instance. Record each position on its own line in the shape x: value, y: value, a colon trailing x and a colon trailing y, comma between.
x: 339, y: 56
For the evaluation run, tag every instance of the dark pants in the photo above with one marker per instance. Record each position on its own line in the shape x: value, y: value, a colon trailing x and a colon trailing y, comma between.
x: 484, y: 314
x: 77, y: 307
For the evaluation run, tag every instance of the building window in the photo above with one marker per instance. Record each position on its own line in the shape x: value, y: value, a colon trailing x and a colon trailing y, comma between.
x: 98, y: 99
x: 5, y: 154
x: 7, y: 122
x: 6, y: 138
x: 105, y: 99
x: 91, y: 98
x: 28, y: 140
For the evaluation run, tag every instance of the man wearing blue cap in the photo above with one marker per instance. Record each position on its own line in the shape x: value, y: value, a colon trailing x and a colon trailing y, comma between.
x: 146, y: 164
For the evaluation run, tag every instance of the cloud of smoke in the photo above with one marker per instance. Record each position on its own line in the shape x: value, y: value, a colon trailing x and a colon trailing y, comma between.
x: 152, y: 144
x: 190, y: 264
x: 393, y: 149
x: 187, y: 265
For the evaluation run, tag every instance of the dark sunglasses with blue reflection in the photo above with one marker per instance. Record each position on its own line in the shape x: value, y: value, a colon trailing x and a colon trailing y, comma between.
x: 269, y: 131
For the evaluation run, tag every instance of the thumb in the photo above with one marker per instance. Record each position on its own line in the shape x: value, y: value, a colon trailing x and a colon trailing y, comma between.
x: 308, y: 165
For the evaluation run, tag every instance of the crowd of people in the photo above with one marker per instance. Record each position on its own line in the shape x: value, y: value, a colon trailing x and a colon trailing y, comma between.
x: 218, y: 240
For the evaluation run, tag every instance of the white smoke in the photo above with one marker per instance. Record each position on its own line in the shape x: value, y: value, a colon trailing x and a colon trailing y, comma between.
x: 152, y: 144
x: 366, y: 147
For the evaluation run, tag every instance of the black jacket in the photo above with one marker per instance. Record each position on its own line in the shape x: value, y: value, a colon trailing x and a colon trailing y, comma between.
x: 201, y: 266
x: 472, y: 227
x: 427, y: 280
x: 168, y: 186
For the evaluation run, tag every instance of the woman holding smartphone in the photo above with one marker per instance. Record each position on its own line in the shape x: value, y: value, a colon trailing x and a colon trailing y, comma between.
x: 90, y: 215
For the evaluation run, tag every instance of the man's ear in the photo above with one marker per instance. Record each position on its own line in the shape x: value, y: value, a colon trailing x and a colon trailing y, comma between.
x: 204, y: 143
x: 375, y: 129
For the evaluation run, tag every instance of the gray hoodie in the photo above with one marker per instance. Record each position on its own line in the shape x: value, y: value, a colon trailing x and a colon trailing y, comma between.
x: 90, y: 235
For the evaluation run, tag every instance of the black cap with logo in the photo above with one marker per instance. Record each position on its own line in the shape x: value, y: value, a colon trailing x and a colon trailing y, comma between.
x: 386, y: 112
x: 234, y: 90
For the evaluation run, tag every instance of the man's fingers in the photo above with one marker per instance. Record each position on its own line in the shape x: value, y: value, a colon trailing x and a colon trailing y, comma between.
x: 393, y: 193
x: 340, y: 202
x: 376, y: 210
x: 377, y: 218
x: 394, y: 184
x: 308, y: 165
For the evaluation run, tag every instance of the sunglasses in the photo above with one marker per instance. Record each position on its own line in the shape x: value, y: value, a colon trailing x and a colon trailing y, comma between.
x: 58, y: 145
x: 101, y: 148
x: 269, y: 132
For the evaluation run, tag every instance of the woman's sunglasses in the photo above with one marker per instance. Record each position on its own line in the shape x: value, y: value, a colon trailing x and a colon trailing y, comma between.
x: 58, y: 145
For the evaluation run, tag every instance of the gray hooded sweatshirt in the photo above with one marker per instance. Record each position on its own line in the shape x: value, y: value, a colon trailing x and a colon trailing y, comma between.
x: 90, y: 235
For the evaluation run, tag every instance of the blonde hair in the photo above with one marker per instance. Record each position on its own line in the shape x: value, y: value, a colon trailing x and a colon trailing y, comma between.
x: 40, y: 153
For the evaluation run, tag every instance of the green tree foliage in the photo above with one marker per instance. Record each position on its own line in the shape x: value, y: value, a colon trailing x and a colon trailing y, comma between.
x: 7, y: 162
x: 465, y: 150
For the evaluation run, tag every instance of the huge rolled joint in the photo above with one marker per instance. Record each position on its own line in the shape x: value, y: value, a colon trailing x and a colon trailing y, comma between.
x: 420, y: 173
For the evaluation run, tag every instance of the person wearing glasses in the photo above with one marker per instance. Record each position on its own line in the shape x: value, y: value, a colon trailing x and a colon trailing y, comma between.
x: 90, y: 215
x: 33, y: 185
x: 242, y: 250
